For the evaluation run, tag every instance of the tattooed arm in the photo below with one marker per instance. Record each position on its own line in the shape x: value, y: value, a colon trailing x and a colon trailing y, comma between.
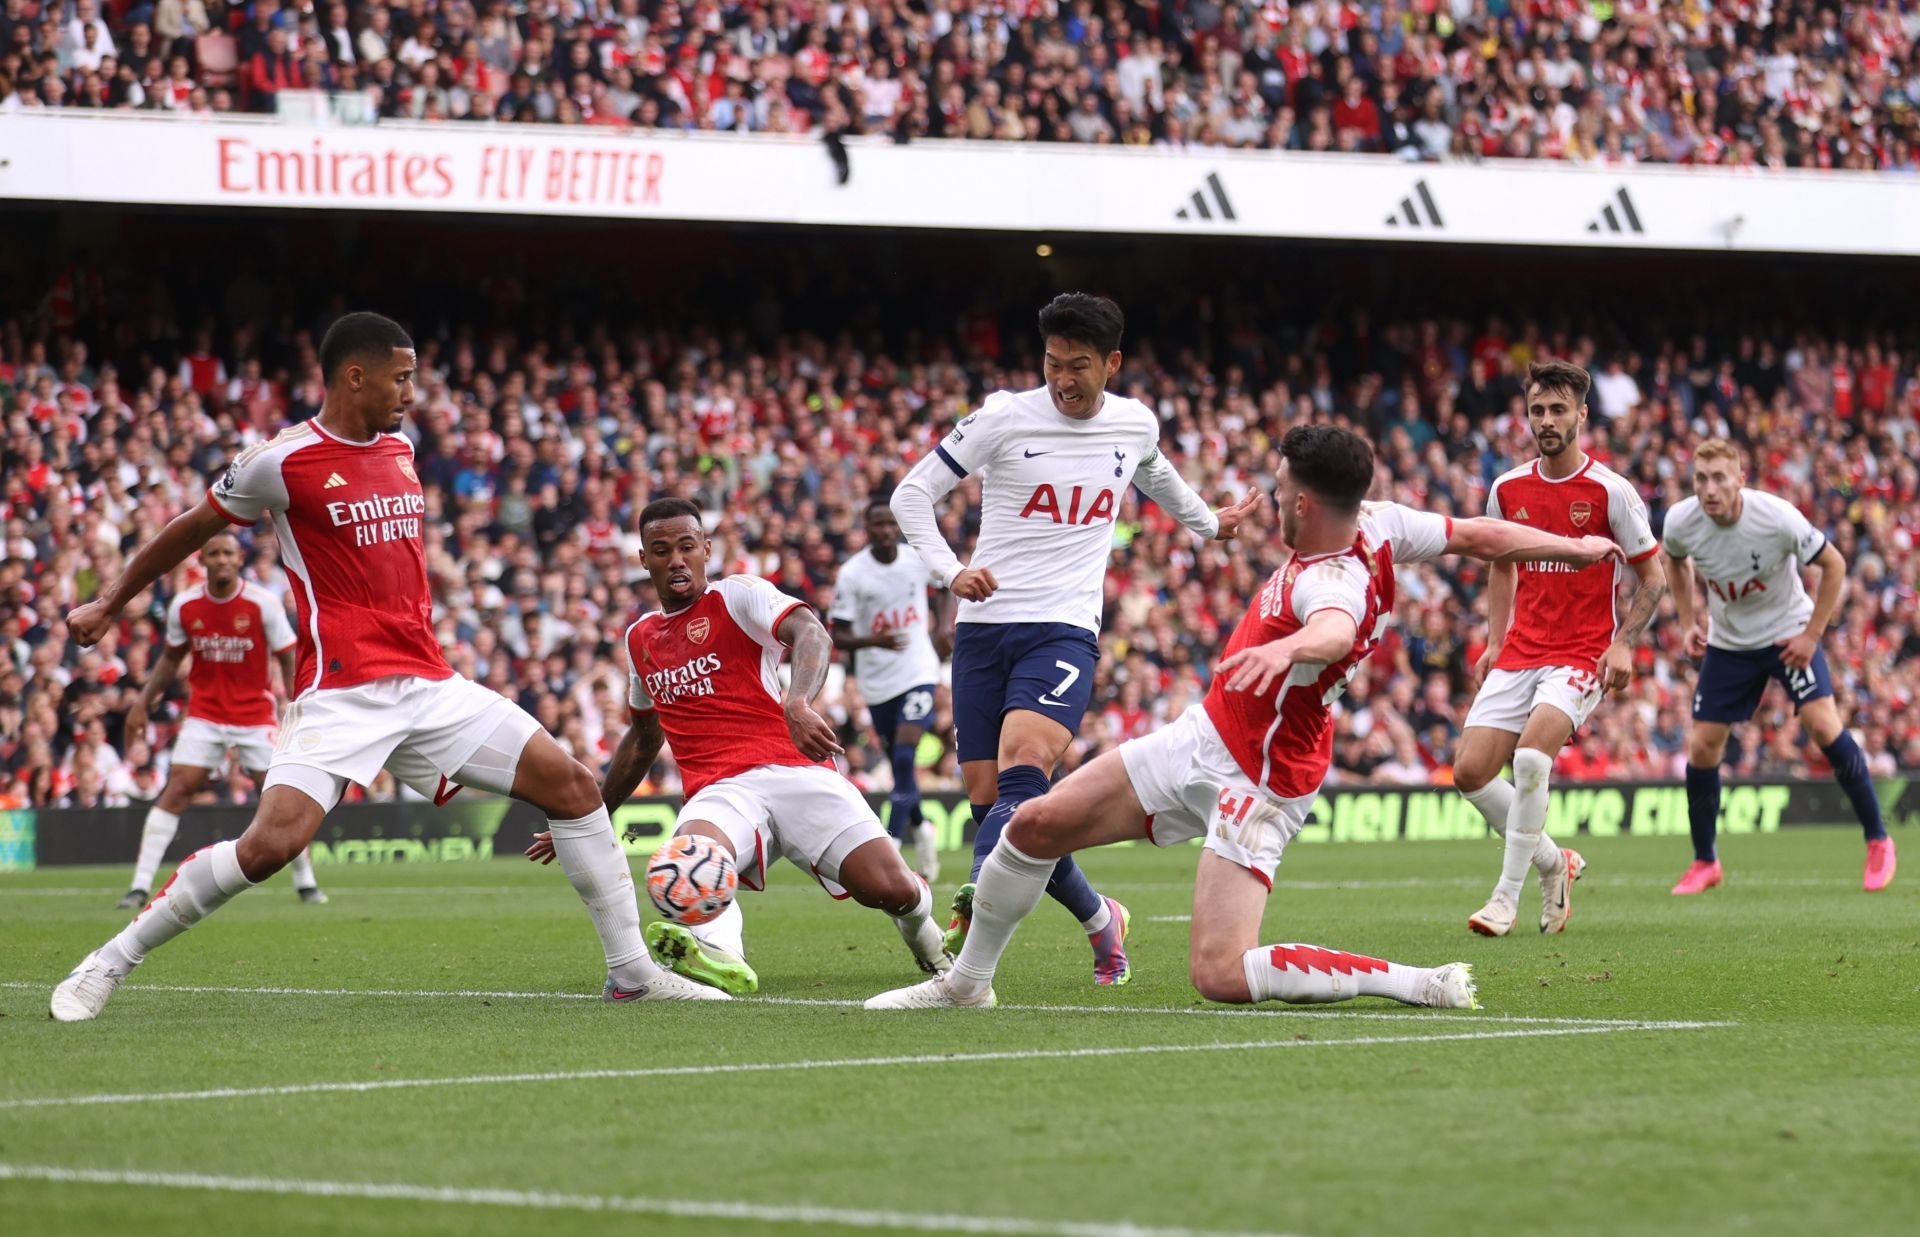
x: 1616, y: 664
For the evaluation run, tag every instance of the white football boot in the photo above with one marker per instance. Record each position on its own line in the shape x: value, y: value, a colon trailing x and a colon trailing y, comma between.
x: 84, y: 992
x: 1451, y: 987
x: 931, y: 994
x: 1496, y: 917
x: 1556, y: 892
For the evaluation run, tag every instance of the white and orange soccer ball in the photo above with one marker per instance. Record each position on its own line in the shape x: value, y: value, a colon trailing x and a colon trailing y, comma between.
x: 691, y: 879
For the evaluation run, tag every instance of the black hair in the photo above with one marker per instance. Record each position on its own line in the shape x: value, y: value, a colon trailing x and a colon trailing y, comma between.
x: 1081, y: 318
x: 668, y: 509
x: 880, y: 502
x: 1335, y: 465
x: 359, y: 336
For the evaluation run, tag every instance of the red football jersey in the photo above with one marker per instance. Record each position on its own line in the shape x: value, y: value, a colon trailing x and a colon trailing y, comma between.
x: 230, y: 639
x: 712, y: 671
x: 1285, y: 741
x: 347, y: 515
x: 1565, y: 615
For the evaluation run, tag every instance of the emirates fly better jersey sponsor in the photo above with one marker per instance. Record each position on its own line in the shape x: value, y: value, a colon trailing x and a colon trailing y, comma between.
x: 347, y: 515
x: 1565, y: 615
x: 875, y: 598
x: 1284, y: 741
x: 230, y: 640
x: 1755, y: 598
x: 712, y: 672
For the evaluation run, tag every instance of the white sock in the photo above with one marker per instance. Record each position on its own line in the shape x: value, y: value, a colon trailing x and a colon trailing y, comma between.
x: 1101, y: 918
x: 724, y: 932
x: 201, y: 885
x: 1495, y: 801
x: 155, y: 836
x: 1526, y: 821
x: 1011, y: 884
x: 302, y: 869
x: 919, y: 931
x: 597, y: 867
x: 1310, y: 975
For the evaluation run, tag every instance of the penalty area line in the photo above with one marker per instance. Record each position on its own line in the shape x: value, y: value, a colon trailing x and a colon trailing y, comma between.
x: 829, y: 1063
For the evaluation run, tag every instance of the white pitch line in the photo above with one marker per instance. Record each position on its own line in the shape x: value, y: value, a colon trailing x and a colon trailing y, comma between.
x: 541, y: 1200
x: 1266, y: 1011
x: 769, y: 1067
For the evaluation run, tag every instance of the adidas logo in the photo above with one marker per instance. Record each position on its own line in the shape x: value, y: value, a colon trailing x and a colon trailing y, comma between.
x: 334, y: 482
x: 1626, y: 219
x: 1199, y: 209
x: 1417, y: 210
x: 1520, y: 514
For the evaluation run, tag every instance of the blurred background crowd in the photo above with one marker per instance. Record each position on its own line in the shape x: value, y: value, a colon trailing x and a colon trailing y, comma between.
x: 782, y: 402
x: 1753, y: 83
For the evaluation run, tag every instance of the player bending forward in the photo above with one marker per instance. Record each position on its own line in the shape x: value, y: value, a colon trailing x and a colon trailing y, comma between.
x: 1056, y: 462
x: 880, y: 619
x: 1555, y: 645
x: 374, y: 690
x: 757, y: 764
x: 1761, y: 625
x: 228, y: 627
x: 1243, y: 769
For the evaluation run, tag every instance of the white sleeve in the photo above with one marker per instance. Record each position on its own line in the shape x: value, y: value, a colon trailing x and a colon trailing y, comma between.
x: 913, y: 502
x: 1627, y: 517
x: 638, y: 700
x: 758, y: 606
x: 176, y: 630
x: 251, y: 486
x: 843, y: 609
x: 280, y: 635
x: 1332, y: 585
x: 1159, y: 480
x: 1806, y: 540
x: 1493, y: 500
x: 1673, y: 533
x: 1416, y: 536
x: 976, y: 441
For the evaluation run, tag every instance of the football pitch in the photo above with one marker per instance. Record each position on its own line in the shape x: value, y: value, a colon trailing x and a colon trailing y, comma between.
x: 427, y: 1054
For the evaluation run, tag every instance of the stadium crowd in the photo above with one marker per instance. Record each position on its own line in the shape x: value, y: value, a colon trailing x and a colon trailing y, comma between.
x: 536, y: 449
x: 1754, y: 83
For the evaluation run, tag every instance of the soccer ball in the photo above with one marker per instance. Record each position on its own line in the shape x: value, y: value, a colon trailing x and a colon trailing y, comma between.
x: 691, y: 879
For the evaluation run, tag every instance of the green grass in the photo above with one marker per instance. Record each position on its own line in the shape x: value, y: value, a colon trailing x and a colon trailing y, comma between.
x: 1804, y: 1117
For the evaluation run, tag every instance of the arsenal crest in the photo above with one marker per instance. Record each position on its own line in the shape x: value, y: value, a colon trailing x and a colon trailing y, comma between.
x: 698, y: 630
x: 241, y: 622
x: 1580, y: 512
x: 406, y: 469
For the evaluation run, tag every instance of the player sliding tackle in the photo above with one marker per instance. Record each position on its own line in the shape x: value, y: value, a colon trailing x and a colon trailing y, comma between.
x: 374, y: 690
x: 756, y: 763
x: 1243, y: 769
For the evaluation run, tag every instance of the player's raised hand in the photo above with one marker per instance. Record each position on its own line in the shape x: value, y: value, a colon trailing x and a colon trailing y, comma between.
x: 1798, y: 652
x: 542, y: 849
x: 811, y: 732
x: 1597, y: 550
x: 87, y: 623
x: 1697, y: 641
x: 974, y: 584
x: 1256, y: 669
x: 1232, y: 517
x: 1615, y: 668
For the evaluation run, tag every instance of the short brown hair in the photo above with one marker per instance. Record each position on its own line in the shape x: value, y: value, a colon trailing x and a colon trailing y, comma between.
x: 1559, y: 376
x: 1334, y: 464
x: 1717, y: 449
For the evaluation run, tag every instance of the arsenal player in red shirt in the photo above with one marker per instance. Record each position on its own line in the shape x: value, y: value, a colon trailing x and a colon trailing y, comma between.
x: 373, y: 689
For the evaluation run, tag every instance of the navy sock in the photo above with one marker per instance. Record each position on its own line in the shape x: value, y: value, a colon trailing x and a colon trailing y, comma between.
x: 1850, y: 770
x: 1069, y: 885
x: 1703, y: 809
x: 903, y: 816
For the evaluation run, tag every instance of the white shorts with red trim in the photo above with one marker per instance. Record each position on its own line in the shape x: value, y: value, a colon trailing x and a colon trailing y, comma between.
x: 205, y: 745
x: 808, y: 813
x: 1191, y: 786
x: 426, y: 732
x: 1509, y: 697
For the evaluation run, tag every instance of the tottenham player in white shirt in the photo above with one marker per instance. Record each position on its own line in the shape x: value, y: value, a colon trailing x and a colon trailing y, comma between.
x: 881, y: 618
x: 1055, y: 464
x: 1750, y: 547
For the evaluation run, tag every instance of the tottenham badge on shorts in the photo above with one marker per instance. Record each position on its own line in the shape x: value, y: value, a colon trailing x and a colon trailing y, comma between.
x: 1580, y: 512
x: 698, y: 629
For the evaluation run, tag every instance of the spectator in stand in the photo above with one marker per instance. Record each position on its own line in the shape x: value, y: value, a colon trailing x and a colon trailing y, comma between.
x: 270, y: 71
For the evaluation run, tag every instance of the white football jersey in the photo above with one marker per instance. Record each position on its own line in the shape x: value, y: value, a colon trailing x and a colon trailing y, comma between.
x: 1051, y: 491
x: 1751, y: 568
x: 874, y: 597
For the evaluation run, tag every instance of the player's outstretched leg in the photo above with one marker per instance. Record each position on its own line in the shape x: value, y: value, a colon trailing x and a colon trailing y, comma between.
x: 543, y: 775
x: 876, y: 876
x: 713, y: 953
x: 204, y: 882
x: 1227, y: 966
x: 1094, y: 806
x: 304, y: 882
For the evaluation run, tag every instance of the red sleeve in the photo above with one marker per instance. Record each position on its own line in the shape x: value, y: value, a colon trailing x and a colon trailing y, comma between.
x: 782, y: 617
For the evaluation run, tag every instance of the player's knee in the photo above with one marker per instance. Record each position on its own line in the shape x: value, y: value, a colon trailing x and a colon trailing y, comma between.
x: 1040, y: 828
x: 1469, y: 777
x: 1704, y: 750
x: 577, y: 795
x: 1531, y: 769
x: 895, y: 890
x: 1218, y: 976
